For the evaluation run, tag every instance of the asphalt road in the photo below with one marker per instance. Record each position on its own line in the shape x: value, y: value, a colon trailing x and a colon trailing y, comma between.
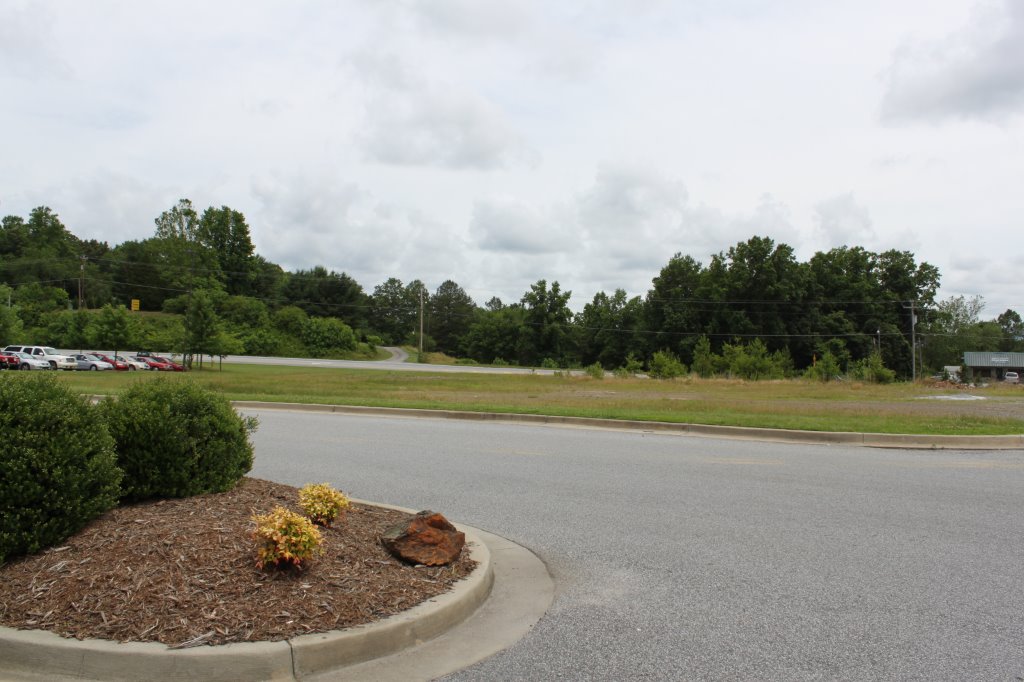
x: 683, y: 558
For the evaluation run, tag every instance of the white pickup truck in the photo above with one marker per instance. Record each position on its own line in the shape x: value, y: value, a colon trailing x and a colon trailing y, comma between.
x: 56, y: 360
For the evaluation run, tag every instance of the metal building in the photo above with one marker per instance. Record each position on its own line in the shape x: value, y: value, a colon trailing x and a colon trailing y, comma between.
x: 992, y: 365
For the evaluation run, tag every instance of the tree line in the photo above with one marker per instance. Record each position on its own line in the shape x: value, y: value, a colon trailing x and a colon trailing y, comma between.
x: 752, y: 310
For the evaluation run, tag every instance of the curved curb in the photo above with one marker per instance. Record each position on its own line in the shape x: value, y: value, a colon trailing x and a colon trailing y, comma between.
x: 877, y: 440
x: 37, y: 654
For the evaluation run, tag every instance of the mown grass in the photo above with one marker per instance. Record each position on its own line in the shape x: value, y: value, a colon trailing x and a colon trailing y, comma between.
x: 795, y: 404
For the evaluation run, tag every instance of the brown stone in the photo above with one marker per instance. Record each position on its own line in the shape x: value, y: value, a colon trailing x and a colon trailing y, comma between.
x: 427, y: 538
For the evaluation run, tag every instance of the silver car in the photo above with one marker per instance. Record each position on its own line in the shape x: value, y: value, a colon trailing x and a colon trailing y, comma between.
x: 26, y: 361
x: 91, y: 362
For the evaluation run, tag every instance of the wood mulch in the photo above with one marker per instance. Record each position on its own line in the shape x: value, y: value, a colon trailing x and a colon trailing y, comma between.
x: 182, y: 572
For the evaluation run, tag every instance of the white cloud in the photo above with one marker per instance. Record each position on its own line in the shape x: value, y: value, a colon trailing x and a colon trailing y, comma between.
x: 405, y: 138
x: 977, y: 72
x: 507, y: 225
x: 841, y: 221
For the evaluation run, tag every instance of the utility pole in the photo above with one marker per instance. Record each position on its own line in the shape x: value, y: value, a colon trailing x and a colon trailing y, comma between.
x: 421, y: 323
x: 913, y: 341
x: 81, y: 276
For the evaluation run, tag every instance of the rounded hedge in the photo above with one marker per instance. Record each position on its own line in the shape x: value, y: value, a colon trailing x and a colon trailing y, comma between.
x: 177, y: 439
x: 58, y: 469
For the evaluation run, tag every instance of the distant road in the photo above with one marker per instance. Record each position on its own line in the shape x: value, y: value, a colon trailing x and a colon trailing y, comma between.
x: 397, y: 362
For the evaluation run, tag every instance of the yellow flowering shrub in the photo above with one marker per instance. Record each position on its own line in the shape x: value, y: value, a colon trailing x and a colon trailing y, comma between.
x: 322, y: 503
x: 284, y: 538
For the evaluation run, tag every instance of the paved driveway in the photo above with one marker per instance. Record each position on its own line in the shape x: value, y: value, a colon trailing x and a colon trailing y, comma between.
x: 676, y: 557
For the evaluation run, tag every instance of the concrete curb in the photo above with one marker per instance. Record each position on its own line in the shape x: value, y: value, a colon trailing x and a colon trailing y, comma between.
x: 36, y: 654
x: 878, y: 440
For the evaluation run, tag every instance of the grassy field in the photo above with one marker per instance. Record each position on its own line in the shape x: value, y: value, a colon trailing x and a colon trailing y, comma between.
x: 792, y: 404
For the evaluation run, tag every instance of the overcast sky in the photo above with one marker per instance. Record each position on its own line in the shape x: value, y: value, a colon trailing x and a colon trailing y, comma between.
x: 498, y: 143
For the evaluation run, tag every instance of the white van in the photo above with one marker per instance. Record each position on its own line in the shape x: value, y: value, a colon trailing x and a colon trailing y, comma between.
x: 1011, y: 378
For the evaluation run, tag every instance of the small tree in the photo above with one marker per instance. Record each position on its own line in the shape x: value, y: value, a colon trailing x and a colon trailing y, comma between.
x: 113, y: 328
x: 825, y: 368
x: 201, y: 325
x: 665, y: 365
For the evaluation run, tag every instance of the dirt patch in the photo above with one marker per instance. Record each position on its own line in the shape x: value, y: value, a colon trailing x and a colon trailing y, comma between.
x: 182, y: 572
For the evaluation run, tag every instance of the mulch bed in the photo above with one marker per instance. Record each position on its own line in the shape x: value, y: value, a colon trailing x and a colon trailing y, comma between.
x: 183, y: 572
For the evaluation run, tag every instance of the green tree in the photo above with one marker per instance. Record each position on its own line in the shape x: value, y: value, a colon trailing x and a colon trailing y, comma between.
x: 202, y: 325
x: 450, y: 316
x: 323, y: 335
x: 326, y: 294
x: 608, y: 329
x: 395, y: 309
x: 113, y: 328
x: 546, y: 332
x: 1012, y: 328
x: 224, y: 232
x: 673, y: 314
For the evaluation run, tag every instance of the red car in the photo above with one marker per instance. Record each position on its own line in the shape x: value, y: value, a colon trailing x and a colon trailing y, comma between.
x: 152, y: 363
x: 118, y: 365
x: 173, y: 366
x: 8, y: 361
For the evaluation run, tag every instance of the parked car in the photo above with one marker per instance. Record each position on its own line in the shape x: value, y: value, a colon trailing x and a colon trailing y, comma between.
x: 1011, y: 378
x: 133, y: 364
x: 9, y: 361
x: 56, y: 360
x: 28, y: 362
x: 175, y: 366
x: 154, y: 364
x: 118, y: 365
x: 91, y: 362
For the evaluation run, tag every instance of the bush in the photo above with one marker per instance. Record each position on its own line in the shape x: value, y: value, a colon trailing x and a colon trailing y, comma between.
x: 665, y: 365
x: 322, y: 503
x: 595, y: 371
x: 825, y: 368
x: 873, y: 370
x: 177, y: 439
x: 58, y: 469
x: 284, y: 538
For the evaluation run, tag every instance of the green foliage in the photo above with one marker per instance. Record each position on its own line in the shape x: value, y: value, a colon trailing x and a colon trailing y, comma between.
x: 202, y: 325
x: 549, y: 363
x: 58, y: 469
x: 595, y: 371
x: 752, y: 361
x: 665, y: 365
x: 291, y: 320
x: 322, y: 503
x: 284, y: 538
x: 262, y: 342
x: 113, y: 329
x: 322, y: 335
x: 34, y: 300
x: 704, y: 361
x: 872, y: 370
x: 177, y: 439
x: 632, y: 367
x: 825, y: 368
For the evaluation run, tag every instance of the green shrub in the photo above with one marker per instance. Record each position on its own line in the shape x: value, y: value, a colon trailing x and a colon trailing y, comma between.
x: 825, y: 368
x: 177, y: 439
x: 58, y: 469
x: 284, y: 538
x: 873, y: 370
x: 595, y: 371
x: 665, y: 365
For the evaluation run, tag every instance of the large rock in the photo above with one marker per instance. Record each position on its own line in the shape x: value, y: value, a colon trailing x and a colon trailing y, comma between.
x: 428, y: 538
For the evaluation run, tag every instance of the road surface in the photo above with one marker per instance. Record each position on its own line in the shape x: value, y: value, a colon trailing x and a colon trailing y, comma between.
x: 676, y: 557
